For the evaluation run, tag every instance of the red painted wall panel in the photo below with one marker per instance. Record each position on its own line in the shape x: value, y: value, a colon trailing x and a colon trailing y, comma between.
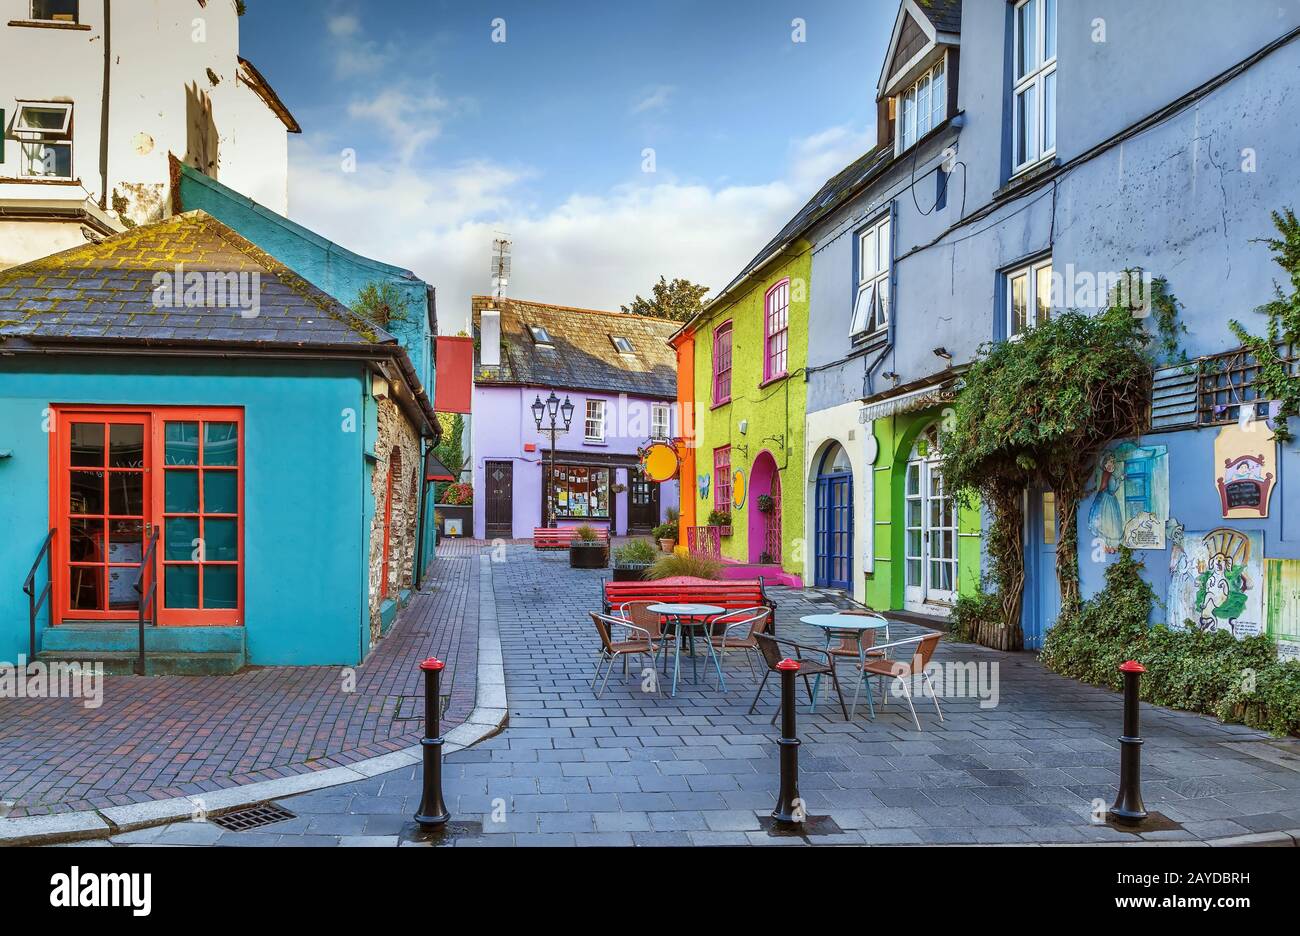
x: 453, y: 383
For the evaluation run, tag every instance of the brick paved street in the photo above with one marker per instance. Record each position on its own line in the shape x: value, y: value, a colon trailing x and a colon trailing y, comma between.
x: 161, y: 737
x: 632, y: 768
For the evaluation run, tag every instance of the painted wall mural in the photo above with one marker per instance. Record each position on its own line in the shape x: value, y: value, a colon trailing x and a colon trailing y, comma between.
x: 1245, y: 461
x: 1283, y: 605
x: 1131, y: 503
x: 1216, y: 580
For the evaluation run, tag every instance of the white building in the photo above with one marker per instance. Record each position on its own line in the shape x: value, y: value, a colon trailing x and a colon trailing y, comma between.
x: 91, y: 106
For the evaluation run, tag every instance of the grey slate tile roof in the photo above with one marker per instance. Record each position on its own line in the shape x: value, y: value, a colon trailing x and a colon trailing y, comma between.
x: 582, y: 355
x: 944, y: 15
x: 107, y: 293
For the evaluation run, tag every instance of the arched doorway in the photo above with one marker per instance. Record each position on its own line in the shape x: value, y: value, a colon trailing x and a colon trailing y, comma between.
x: 834, y: 520
x: 765, y: 525
x: 930, y: 530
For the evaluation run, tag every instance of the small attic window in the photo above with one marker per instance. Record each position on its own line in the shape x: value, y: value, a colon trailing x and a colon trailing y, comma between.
x: 622, y: 345
x: 540, y: 335
x: 58, y: 11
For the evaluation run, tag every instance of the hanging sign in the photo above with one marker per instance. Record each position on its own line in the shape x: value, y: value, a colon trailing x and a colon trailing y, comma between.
x: 660, y: 462
x: 1245, y: 461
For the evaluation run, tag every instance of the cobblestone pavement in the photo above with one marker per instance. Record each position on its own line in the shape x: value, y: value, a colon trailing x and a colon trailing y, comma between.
x: 161, y: 737
x: 638, y: 769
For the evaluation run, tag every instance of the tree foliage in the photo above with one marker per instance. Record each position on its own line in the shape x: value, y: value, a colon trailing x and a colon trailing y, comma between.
x: 677, y: 301
x: 450, y: 450
x: 1036, y: 412
x: 1275, y: 379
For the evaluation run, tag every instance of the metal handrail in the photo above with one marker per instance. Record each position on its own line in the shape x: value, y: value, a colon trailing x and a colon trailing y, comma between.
x: 148, y: 566
x: 34, y: 604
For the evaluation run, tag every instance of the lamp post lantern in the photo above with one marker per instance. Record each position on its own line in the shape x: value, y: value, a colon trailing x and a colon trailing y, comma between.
x: 558, y: 418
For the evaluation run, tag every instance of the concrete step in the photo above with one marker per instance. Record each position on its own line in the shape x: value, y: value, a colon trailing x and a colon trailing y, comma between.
x: 122, y: 663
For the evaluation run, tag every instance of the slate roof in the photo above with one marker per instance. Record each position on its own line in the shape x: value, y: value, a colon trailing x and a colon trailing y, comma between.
x: 944, y: 15
x: 105, y: 294
x: 583, y: 356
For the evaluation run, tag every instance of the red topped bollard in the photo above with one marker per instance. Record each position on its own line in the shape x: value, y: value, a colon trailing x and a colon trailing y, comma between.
x: 433, y: 811
x: 1128, y: 807
x: 788, y: 809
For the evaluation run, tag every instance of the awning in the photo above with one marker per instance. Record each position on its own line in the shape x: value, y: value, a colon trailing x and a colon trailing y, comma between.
x: 908, y: 401
x: 435, y: 470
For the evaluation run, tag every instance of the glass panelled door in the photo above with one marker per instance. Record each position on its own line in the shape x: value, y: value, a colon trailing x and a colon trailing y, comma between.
x: 930, y: 534
x: 102, y: 513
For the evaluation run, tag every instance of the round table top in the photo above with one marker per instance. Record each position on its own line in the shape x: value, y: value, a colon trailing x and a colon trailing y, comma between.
x: 685, y: 610
x: 858, y: 622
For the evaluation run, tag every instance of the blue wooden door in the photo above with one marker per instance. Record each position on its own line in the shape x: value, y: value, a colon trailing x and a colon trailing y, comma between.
x: 1042, y: 601
x: 834, y: 534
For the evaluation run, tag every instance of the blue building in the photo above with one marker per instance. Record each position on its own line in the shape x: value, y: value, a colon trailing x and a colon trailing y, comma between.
x: 1029, y: 152
x: 180, y: 408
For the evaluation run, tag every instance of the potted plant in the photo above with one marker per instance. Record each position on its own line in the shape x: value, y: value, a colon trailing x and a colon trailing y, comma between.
x: 456, y: 503
x: 722, y: 520
x: 586, y: 551
x: 633, y: 559
x: 666, y: 535
x: 765, y: 503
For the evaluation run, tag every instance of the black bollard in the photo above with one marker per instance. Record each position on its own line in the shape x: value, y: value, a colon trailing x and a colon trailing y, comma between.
x: 433, y: 811
x: 786, y: 810
x: 1128, y: 806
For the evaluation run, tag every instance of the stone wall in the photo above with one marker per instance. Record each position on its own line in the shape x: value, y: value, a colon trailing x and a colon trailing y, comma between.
x: 396, y: 434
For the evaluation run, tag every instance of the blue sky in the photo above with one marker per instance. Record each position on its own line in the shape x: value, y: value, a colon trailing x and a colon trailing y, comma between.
x: 542, y: 136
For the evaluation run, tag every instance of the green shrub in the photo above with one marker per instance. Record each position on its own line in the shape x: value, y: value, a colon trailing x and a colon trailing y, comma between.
x: 719, y: 518
x: 637, y: 552
x: 970, y: 612
x: 695, y: 565
x: 586, y: 533
x: 1198, y: 671
x: 665, y: 531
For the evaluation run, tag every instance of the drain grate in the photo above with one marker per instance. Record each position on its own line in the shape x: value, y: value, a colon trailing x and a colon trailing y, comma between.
x: 411, y: 707
x: 253, y: 817
x: 811, y: 826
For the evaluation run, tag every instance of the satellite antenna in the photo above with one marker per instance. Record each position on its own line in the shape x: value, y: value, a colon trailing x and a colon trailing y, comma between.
x: 500, y: 265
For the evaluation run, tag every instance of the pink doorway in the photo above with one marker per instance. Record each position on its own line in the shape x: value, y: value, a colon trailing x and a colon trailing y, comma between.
x: 764, y: 526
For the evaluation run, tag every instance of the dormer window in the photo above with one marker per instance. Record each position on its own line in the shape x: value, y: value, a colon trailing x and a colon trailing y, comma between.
x: 541, y: 336
x: 622, y: 345
x: 922, y: 107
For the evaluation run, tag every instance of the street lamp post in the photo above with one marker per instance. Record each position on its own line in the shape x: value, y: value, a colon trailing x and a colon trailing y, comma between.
x: 560, y: 417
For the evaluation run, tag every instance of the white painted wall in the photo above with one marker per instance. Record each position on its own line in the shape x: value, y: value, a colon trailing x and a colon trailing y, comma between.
x: 173, y: 62
x: 840, y: 424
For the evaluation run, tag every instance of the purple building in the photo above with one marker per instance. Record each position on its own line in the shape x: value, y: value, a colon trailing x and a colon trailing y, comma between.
x: 621, y: 377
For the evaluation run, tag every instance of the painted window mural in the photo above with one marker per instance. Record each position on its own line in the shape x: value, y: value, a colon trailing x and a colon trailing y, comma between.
x: 1130, y: 505
x: 1216, y: 580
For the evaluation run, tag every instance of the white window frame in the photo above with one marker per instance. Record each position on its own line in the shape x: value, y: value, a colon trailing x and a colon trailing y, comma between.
x: 1031, y: 273
x: 34, y: 136
x: 935, y: 114
x: 594, y: 424
x: 871, y: 308
x: 661, y: 421
x: 1035, y: 81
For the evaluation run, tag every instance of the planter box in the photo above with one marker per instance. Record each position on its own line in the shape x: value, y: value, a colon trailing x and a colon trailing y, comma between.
x: 593, y: 556
x: 631, y: 573
x: 462, y: 512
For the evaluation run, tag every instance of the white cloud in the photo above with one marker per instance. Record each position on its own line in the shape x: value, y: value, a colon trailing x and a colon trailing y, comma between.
x: 343, y: 25
x: 656, y: 100
x: 593, y: 250
x: 409, y: 118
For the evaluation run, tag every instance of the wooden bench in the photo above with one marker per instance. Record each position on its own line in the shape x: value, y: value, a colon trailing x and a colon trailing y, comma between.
x: 732, y: 595
x: 561, y: 537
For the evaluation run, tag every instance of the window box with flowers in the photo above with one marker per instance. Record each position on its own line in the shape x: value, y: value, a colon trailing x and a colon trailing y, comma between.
x: 456, y: 509
x: 722, y: 520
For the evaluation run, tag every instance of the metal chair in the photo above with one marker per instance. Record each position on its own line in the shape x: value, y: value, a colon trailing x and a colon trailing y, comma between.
x: 902, y: 670
x: 773, y: 653
x: 739, y: 630
x: 611, y: 650
x: 639, y: 613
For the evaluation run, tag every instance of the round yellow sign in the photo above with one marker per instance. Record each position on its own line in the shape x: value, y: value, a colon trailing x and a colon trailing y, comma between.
x: 661, y: 462
x: 738, y: 488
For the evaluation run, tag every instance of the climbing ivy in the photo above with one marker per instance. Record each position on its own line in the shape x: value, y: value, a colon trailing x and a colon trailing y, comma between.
x: 1274, y: 379
x: 1038, y: 411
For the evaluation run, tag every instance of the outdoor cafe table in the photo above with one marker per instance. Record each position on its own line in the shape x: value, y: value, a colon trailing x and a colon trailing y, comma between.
x: 687, y: 616
x: 846, y: 627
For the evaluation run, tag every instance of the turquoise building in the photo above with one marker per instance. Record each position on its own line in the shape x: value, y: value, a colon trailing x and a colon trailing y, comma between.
x: 182, y: 409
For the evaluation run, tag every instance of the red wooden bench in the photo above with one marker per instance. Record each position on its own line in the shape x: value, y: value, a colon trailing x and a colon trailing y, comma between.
x: 561, y: 537
x: 732, y: 595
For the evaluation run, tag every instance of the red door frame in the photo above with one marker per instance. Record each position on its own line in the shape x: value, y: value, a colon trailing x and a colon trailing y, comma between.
x: 155, y: 419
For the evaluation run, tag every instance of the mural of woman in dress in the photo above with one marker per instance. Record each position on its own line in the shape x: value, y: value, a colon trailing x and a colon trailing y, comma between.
x: 1106, y: 517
